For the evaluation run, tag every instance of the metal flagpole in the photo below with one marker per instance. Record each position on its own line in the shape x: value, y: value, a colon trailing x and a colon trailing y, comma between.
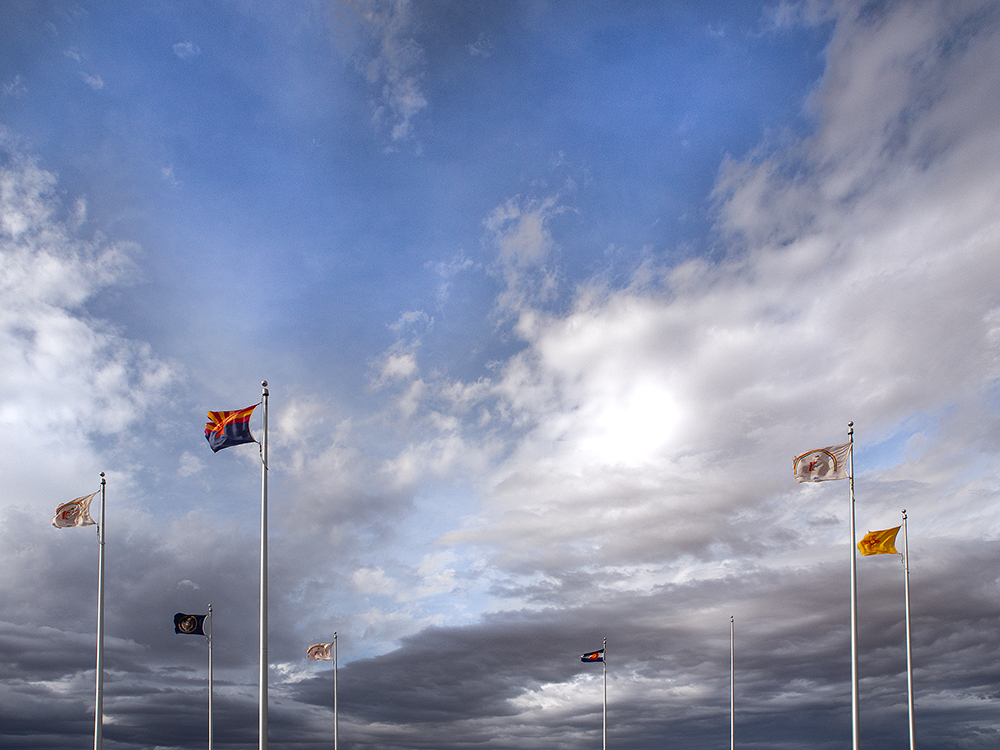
x: 856, y: 725
x: 732, y: 683
x: 209, y: 677
x: 336, y: 718
x: 99, y: 708
x: 909, y: 653
x: 262, y: 709
x: 605, y: 662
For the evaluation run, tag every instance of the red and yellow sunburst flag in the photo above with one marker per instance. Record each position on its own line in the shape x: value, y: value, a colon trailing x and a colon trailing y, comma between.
x: 228, y: 428
x: 879, y: 542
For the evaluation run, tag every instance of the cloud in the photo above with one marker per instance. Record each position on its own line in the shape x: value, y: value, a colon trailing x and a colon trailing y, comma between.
x: 186, y: 50
x: 13, y: 87
x: 519, y: 232
x: 373, y: 581
x: 648, y: 431
x: 482, y: 47
x: 94, y: 81
x: 393, y: 62
x: 448, y: 271
x: 190, y: 464
x: 70, y: 373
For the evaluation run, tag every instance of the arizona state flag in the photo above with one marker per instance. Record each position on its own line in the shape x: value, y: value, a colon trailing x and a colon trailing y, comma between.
x: 879, y: 542
x: 189, y: 624
x: 227, y: 428
x: 593, y: 656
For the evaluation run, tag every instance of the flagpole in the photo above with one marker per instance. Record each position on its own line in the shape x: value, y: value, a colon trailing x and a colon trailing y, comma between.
x: 855, y: 720
x: 99, y: 707
x: 262, y: 708
x: 732, y: 683
x: 336, y: 718
x: 909, y: 652
x: 605, y: 663
x: 209, y: 677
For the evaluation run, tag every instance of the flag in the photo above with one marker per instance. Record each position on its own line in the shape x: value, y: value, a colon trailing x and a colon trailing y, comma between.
x: 189, y: 624
x: 320, y: 652
x: 823, y: 464
x: 228, y: 428
x: 593, y: 656
x: 879, y: 542
x: 74, y: 513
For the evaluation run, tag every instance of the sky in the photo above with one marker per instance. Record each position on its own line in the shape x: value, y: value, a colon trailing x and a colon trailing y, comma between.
x: 548, y: 296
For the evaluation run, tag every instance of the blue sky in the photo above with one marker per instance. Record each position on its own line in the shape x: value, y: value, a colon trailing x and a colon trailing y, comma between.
x: 547, y: 295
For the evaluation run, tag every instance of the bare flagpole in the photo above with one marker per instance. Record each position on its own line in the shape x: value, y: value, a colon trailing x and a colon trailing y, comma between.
x: 336, y: 718
x: 855, y: 719
x: 262, y: 708
x: 209, y: 677
x: 732, y: 683
x: 99, y: 707
x: 605, y: 663
x: 909, y: 652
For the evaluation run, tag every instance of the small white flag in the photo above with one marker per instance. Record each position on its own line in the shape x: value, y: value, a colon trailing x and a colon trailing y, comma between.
x: 74, y: 513
x: 320, y: 652
x: 823, y: 464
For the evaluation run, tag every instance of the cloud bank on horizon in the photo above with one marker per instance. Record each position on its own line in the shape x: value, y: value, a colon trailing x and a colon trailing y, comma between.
x: 533, y: 384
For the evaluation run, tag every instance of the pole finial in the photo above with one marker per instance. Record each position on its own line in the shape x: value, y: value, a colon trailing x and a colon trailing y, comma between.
x: 263, y: 384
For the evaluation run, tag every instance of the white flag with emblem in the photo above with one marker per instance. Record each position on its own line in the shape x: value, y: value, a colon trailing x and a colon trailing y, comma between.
x: 320, y: 652
x: 74, y: 513
x: 823, y: 464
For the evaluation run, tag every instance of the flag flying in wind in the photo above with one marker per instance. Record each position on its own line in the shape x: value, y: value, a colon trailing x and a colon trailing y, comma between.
x: 879, y: 542
x: 823, y: 464
x: 320, y: 652
x: 228, y: 428
x: 74, y: 513
x: 189, y: 624
x: 593, y: 656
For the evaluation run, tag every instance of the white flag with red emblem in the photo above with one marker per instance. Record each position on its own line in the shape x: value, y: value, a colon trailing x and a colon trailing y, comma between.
x: 74, y: 513
x: 320, y: 652
x: 823, y: 464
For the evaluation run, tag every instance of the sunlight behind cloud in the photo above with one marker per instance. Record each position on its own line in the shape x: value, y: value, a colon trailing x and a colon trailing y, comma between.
x: 630, y: 429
